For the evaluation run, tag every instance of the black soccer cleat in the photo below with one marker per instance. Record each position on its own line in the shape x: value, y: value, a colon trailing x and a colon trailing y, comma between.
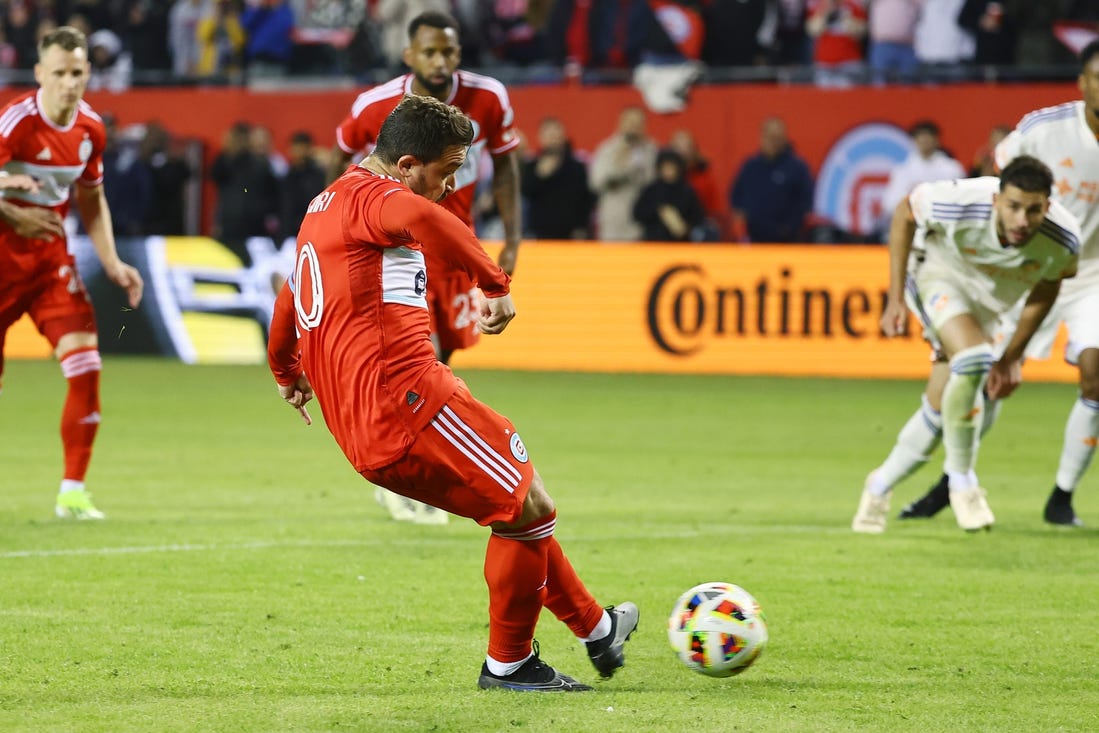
x: 607, y: 654
x: 1059, y: 509
x: 533, y: 676
x: 931, y: 503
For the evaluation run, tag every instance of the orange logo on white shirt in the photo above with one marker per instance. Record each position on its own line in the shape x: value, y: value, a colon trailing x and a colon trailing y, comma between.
x: 1066, y: 163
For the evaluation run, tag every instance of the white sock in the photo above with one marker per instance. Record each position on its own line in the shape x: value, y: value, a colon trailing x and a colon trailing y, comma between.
x: 962, y: 403
x: 68, y: 485
x: 962, y: 481
x: 1081, y: 431
x: 917, y: 440
x: 601, y: 629
x: 503, y: 669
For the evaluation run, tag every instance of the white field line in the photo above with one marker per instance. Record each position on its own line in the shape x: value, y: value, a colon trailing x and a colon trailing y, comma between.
x: 419, y: 540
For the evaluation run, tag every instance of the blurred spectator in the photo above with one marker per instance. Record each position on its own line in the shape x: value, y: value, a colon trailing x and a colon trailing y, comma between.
x: 393, y: 17
x: 1037, y: 45
x: 263, y: 145
x: 598, y: 34
x: 20, y: 26
x: 667, y: 208
x: 144, y: 32
x: 515, y: 31
x: 838, y: 28
x: 995, y: 33
x: 739, y: 33
x: 77, y: 21
x: 9, y: 59
x: 941, y: 43
x: 127, y: 180
x: 772, y: 194
x: 112, y: 67
x: 791, y: 44
x: 170, y: 174
x: 892, y: 33
x: 984, y: 160
x: 97, y: 13
x: 926, y: 162
x: 247, y: 204
x: 555, y: 185
x: 183, y: 21
x: 269, y: 25
x: 702, y: 180
x: 221, y: 40
x: 305, y: 178
x: 363, y: 51
x: 620, y: 168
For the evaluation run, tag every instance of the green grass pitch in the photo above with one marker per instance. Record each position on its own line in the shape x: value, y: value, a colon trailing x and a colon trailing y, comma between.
x: 246, y: 580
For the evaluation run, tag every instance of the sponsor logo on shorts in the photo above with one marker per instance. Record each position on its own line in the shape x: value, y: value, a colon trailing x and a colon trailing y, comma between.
x: 518, y: 450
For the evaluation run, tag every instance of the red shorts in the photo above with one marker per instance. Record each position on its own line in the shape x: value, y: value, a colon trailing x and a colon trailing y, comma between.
x: 52, y: 294
x: 469, y: 461
x: 454, y: 304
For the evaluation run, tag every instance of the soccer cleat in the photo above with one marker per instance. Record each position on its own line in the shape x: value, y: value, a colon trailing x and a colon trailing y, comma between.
x: 400, y: 508
x: 427, y: 514
x: 1059, y: 509
x: 872, y: 514
x: 533, y: 676
x: 77, y: 505
x: 607, y: 653
x: 971, y: 509
x: 934, y: 501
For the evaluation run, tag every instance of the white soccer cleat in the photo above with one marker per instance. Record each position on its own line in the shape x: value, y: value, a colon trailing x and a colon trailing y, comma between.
x: 427, y: 514
x: 400, y: 508
x: 971, y: 509
x: 872, y: 514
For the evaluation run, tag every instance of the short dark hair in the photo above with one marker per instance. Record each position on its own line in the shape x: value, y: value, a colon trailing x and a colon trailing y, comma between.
x: 424, y: 128
x: 433, y: 19
x: 1090, y: 51
x: 1027, y: 173
x: 66, y: 37
x: 927, y: 126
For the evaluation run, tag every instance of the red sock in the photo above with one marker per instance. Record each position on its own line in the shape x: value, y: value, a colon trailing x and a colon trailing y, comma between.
x: 567, y: 597
x: 515, y: 570
x: 80, y: 417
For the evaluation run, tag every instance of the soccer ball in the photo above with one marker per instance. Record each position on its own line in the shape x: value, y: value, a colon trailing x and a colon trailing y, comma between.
x: 717, y: 629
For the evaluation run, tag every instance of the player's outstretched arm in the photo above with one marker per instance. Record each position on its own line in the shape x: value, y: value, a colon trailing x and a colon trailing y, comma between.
x: 902, y: 230
x: 91, y: 202
x: 505, y: 190
x: 19, y: 181
x: 32, y: 222
x: 1007, y: 373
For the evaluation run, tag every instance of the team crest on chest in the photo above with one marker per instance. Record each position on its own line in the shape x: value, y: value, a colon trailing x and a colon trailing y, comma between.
x: 85, y: 149
x: 518, y: 450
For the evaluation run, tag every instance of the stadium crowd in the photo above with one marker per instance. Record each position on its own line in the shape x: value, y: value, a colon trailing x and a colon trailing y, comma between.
x: 840, y: 40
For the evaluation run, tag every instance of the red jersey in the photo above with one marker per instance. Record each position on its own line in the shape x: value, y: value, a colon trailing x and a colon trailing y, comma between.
x: 56, y: 156
x: 357, y: 300
x: 482, y: 98
x: 836, y: 45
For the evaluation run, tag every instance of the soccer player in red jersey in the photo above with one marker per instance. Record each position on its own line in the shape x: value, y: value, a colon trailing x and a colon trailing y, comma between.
x: 52, y: 136
x: 354, y: 318
x: 433, y: 55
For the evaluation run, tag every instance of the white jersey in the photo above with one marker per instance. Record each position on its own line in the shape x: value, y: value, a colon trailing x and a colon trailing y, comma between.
x: 1060, y: 137
x: 956, y: 229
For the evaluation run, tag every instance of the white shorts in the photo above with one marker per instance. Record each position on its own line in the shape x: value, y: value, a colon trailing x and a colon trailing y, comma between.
x: 935, y: 300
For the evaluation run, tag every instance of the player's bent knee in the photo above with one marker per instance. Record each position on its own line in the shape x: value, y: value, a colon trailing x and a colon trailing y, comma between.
x: 537, y: 504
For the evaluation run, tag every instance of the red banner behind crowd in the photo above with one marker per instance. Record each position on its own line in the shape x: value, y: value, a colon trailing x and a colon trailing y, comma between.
x: 725, y: 120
